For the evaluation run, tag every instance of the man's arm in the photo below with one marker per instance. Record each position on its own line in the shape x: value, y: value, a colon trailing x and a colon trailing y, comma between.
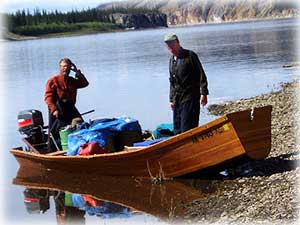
x: 203, y: 78
x: 81, y: 80
x: 172, y: 90
x: 171, y: 97
x: 51, y: 96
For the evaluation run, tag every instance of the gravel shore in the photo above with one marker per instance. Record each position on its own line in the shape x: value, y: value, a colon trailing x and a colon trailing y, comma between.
x: 258, y: 192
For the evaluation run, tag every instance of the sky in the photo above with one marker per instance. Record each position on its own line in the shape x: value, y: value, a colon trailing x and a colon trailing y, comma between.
x: 61, y: 5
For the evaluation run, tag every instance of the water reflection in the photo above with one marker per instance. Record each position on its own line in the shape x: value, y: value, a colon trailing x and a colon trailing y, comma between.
x: 71, y: 208
x: 78, y: 196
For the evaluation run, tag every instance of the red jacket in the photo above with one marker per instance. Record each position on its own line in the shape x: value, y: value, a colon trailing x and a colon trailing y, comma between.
x: 61, y: 87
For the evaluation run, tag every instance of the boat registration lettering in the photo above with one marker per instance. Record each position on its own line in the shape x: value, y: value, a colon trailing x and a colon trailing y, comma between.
x: 212, y: 133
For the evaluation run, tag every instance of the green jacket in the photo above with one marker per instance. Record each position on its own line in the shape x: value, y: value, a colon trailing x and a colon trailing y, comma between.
x: 187, y: 77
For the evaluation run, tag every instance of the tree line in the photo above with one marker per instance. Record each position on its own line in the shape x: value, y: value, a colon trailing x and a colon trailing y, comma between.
x: 39, y: 21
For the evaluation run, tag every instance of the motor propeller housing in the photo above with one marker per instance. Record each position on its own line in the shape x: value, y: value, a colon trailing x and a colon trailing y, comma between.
x: 30, y: 123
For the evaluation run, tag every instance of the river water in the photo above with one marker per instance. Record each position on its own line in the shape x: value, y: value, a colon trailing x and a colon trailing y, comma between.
x: 128, y: 75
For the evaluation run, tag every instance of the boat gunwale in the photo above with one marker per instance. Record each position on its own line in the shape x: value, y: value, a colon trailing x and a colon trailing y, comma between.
x: 142, y: 150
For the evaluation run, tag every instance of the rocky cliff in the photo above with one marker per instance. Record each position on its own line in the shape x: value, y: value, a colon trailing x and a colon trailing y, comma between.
x: 182, y: 12
x: 136, y: 21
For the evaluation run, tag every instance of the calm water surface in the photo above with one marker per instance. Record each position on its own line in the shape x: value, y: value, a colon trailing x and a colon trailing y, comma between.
x: 128, y: 74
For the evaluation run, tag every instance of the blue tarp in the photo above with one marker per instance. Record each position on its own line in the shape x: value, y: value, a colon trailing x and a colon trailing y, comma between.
x: 75, y: 140
x: 149, y: 142
x: 105, y: 210
x: 101, y: 131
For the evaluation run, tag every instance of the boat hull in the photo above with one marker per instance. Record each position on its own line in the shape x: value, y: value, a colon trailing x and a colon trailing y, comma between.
x: 216, y: 142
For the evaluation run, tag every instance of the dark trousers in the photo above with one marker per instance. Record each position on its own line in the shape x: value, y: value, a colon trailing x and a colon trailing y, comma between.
x: 186, y: 116
x: 67, y: 112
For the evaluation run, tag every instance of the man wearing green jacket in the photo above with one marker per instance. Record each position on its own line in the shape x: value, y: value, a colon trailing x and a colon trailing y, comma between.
x: 188, y: 85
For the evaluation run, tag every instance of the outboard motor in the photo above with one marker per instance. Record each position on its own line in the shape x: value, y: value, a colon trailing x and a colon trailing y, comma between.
x: 30, y: 124
x: 36, y: 200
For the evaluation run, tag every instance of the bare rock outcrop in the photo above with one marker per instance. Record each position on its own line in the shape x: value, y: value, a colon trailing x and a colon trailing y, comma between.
x: 136, y: 21
x: 189, y: 12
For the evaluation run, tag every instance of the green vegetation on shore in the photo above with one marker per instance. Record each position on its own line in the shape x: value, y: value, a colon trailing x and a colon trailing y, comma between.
x: 42, y: 22
x: 51, y: 28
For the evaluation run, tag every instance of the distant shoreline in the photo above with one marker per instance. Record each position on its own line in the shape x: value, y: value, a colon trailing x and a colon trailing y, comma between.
x: 7, y: 36
x: 15, y: 37
x: 235, y: 21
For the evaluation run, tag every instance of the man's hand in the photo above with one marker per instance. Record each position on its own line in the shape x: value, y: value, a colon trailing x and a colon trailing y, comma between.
x: 78, y: 73
x: 55, y: 113
x: 73, y: 67
x: 172, y: 105
x: 203, y: 100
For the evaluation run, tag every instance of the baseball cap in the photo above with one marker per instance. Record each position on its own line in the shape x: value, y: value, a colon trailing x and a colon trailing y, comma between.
x: 170, y: 37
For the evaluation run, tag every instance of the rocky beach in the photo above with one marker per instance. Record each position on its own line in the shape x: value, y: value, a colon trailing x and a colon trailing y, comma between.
x: 264, y: 191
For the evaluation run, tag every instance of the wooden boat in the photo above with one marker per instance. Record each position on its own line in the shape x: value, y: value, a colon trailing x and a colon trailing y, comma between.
x: 240, y: 133
x: 164, y: 200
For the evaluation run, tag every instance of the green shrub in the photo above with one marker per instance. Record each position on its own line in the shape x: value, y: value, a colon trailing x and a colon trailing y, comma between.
x: 44, y: 28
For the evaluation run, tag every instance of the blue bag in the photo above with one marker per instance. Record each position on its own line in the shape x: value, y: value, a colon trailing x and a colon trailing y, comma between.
x: 164, y: 130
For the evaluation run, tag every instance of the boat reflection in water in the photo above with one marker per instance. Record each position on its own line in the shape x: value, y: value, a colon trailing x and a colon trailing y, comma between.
x: 71, y: 208
x: 77, y: 196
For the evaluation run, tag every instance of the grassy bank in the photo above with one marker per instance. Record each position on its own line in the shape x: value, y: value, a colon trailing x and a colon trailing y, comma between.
x: 65, y: 28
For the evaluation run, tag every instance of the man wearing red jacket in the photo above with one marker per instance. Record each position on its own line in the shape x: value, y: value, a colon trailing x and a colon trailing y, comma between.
x: 60, y: 96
